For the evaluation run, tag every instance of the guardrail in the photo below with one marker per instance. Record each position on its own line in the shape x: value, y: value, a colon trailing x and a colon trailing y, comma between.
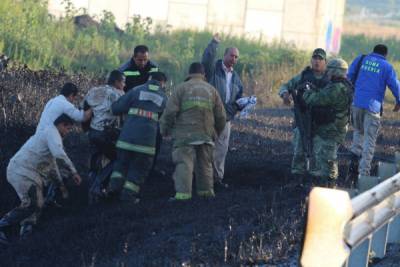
x: 349, y: 232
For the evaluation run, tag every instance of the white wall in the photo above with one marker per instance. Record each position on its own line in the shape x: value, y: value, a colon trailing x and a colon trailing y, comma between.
x: 305, y: 23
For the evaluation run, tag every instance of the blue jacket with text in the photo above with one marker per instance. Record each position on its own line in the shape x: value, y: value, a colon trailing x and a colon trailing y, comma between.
x: 374, y: 75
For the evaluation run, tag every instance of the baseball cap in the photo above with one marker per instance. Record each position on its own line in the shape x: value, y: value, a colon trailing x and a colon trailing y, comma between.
x: 319, y: 52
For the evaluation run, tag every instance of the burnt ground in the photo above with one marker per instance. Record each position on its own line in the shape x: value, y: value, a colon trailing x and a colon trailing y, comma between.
x: 258, y: 220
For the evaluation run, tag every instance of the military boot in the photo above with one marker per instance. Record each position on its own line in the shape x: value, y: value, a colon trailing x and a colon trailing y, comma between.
x: 331, y: 183
x: 297, y: 180
x: 307, y: 180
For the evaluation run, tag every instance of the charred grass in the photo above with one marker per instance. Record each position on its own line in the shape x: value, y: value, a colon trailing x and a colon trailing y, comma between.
x: 258, y: 220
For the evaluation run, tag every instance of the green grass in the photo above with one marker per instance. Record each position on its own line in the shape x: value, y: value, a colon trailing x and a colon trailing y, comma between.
x: 34, y: 38
x: 30, y: 36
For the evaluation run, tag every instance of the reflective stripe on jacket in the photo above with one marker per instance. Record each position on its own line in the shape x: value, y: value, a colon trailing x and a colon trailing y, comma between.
x: 134, y: 75
x: 194, y: 113
x: 143, y: 107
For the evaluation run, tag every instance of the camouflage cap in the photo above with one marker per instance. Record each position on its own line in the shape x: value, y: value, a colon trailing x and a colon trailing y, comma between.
x: 337, y: 63
x: 319, y: 52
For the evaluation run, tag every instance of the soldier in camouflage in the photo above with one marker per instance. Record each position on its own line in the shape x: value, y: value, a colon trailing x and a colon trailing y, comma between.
x: 330, y: 108
x: 314, y: 75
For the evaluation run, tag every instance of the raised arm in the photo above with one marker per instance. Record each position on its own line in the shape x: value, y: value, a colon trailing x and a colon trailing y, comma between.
x: 209, y: 55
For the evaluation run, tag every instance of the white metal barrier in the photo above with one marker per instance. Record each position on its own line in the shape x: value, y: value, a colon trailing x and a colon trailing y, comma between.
x: 335, y: 238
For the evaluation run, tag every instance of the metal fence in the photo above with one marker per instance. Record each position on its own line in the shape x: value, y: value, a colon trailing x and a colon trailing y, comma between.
x: 374, y: 221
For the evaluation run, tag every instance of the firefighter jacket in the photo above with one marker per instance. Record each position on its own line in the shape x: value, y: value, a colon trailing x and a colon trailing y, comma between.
x: 215, y: 75
x: 194, y: 113
x: 134, y: 75
x: 143, y: 106
x: 330, y: 109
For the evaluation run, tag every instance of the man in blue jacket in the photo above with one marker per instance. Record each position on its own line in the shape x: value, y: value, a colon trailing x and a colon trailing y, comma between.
x: 370, y: 74
x: 221, y: 75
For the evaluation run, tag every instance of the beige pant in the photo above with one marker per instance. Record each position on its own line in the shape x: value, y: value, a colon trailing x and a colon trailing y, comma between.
x: 31, y: 195
x: 187, y: 159
x: 220, y: 151
x: 366, y: 128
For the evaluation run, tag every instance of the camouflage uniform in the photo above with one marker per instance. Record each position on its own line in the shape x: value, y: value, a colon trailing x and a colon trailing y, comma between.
x: 330, y: 111
x: 195, y: 116
x: 319, y: 81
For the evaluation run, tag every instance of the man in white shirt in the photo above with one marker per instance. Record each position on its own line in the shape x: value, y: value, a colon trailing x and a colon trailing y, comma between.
x: 221, y: 74
x: 54, y: 108
x: 25, y: 173
x: 62, y: 104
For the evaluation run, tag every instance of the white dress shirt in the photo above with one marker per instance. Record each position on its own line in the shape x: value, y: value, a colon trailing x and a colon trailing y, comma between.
x: 228, y: 76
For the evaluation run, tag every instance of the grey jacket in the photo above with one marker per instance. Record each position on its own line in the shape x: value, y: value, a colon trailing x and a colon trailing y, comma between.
x: 215, y: 75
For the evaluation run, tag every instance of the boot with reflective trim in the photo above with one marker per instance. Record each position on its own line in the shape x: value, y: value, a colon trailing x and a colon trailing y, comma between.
x: 180, y: 197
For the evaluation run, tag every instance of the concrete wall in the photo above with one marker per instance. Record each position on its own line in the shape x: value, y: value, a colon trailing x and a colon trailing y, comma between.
x: 304, y: 23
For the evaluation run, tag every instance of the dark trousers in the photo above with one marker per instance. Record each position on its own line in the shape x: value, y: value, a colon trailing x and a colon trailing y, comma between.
x: 130, y: 171
x: 104, y: 142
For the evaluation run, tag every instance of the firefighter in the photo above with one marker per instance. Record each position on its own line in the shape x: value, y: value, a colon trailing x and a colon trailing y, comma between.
x: 195, y: 116
x: 137, y: 141
x: 137, y: 71
x: 139, y: 68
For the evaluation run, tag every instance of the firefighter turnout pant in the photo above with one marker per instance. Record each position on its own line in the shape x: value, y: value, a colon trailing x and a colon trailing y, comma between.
x: 197, y: 158
x: 129, y: 172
